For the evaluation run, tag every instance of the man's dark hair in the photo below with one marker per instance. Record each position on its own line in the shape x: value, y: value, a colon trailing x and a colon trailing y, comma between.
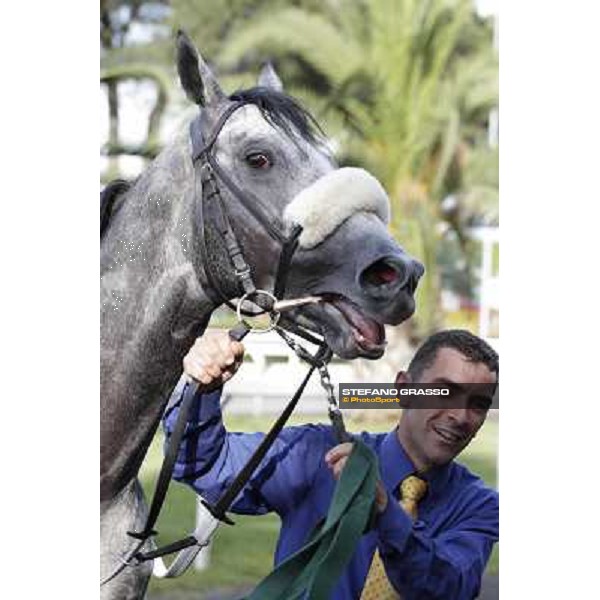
x: 473, y: 348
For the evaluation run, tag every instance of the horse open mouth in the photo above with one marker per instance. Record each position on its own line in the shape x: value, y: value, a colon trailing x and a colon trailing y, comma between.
x: 346, y: 328
x: 368, y: 334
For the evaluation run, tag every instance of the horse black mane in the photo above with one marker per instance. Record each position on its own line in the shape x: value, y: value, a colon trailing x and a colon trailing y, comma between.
x: 108, y: 197
x: 282, y: 111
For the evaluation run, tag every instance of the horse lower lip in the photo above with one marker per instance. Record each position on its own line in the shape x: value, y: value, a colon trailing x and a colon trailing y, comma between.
x: 365, y: 343
x: 367, y: 332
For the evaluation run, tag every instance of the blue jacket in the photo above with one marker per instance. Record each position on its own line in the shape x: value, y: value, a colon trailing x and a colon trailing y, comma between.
x: 441, y: 555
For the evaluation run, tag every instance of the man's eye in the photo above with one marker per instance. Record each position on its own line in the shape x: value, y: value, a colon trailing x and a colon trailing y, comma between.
x: 480, y: 403
x: 258, y: 160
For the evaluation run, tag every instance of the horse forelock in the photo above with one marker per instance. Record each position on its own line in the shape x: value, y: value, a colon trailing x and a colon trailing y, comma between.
x: 283, y: 112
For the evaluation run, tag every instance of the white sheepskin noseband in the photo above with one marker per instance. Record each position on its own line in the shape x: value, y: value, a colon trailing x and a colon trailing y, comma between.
x: 323, y: 206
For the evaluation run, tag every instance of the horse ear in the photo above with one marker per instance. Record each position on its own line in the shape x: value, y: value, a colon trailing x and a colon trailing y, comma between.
x: 268, y: 78
x: 200, y: 85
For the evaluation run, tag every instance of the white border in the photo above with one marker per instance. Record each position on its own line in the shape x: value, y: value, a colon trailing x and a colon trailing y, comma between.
x: 50, y: 338
x: 549, y: 99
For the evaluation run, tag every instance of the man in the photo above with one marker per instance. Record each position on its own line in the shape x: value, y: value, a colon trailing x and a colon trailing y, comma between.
x: 435, y: 544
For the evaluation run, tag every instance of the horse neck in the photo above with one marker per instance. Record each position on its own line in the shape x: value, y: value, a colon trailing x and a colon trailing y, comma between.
x: 152, y: 309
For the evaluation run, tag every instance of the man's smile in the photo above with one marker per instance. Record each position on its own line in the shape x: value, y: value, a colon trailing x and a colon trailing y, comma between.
x: 448, y: 435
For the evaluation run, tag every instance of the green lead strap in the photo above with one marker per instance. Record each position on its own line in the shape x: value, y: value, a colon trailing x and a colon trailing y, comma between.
x: 311, y: 572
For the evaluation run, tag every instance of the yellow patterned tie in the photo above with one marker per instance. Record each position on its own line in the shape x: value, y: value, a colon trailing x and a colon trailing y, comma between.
x: 377, y: 585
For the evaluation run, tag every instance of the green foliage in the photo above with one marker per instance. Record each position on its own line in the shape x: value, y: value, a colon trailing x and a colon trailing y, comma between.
x: 292, y: 32
x: 211, y: 23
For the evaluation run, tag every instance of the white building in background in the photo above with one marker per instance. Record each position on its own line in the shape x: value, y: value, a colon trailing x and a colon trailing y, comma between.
x: 272, y: 372
x: 489, y: 283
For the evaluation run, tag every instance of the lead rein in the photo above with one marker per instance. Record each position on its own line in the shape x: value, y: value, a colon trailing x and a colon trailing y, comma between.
x: 334, y: 412
x: 214, y: 514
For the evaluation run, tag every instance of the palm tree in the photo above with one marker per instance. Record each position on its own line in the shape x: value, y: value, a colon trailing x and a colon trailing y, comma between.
x: 405, y: 86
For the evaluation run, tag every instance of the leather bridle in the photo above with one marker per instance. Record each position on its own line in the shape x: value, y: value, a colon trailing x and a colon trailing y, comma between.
x: 211, y: 211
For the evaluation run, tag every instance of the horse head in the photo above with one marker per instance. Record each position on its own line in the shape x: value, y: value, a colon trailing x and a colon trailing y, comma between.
x: 280, y: 174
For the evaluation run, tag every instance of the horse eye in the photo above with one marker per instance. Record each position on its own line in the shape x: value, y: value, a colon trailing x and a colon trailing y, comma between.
x: 258, y: 160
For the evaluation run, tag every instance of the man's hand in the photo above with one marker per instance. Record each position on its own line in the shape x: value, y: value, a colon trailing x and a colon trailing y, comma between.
x: 213, y: 359
x: 336, y: 460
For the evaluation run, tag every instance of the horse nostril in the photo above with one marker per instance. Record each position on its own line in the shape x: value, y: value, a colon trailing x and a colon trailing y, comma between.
x: 387, y: 274
x: 383, y: 272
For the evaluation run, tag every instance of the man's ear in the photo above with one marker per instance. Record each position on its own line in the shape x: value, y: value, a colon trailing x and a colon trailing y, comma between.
x: 402, y: 378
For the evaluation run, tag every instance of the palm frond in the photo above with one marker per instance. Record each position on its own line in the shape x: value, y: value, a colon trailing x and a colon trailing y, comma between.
x: 295, y: 32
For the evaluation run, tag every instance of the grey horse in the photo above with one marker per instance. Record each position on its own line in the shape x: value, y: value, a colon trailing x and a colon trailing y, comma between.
x: 154, y: 300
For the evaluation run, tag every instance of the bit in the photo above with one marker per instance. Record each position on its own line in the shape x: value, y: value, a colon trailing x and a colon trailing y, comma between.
x: 283, y: 305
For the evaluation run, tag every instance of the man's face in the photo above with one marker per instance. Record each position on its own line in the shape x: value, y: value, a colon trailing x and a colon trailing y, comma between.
x: 434, y: 436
